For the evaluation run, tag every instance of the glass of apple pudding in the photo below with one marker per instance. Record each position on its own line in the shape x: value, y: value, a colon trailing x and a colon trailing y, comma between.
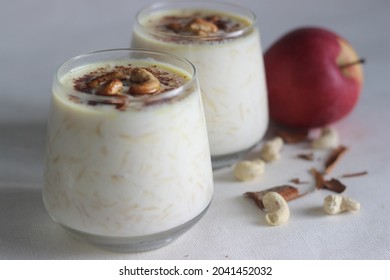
x: 224, y: 44
x: 128, y: 161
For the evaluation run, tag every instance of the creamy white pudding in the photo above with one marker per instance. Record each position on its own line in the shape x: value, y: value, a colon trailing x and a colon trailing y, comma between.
x: 224, y: 45
x: 126, y: 166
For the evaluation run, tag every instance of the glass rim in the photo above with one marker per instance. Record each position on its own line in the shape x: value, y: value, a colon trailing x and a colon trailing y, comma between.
x: 229, y: 35
x: 147, y: 99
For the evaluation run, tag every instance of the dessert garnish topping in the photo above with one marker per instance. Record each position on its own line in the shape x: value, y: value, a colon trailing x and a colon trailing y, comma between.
x: 112, y: 87
x: 201, y: 27
x: 105, y: 78
x: 143, y: 82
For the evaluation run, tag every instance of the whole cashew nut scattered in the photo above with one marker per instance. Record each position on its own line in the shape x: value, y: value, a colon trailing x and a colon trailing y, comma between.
x: 271, y: 149
x: 329, y: 139
x: 143, y: 82
x: 279, y: 213
x: 247, y: 170
x: 335, y: 204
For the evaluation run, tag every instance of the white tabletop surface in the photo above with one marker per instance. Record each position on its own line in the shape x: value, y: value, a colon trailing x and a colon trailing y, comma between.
x: 37, y: 36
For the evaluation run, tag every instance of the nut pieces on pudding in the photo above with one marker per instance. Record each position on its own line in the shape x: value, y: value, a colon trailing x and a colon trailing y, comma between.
x: 112, y: 87
x: 138, y: 80
x: 202, y: 27
x: 125, y: 81
x: 143, y: 82
x: 199, y: 25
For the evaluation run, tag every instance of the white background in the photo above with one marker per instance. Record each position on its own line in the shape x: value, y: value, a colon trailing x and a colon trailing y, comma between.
x: 37, y: 36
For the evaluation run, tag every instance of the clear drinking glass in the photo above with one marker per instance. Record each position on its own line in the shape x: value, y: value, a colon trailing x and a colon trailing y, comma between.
x: 229, y: 64
x: 122, y: 172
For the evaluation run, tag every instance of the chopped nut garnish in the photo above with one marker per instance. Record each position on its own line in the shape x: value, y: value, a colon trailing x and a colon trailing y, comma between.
x: 334, y: 157
x: 143, y: 82
x: 116, y: 82
x: 205, y: 26
x: 349, y: 175
x: 288, y: 192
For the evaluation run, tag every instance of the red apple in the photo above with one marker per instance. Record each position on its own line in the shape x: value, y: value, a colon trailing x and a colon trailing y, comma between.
x: 314, y: 78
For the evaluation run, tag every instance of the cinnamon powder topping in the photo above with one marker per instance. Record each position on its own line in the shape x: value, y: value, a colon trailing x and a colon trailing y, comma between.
x: 124, y: 81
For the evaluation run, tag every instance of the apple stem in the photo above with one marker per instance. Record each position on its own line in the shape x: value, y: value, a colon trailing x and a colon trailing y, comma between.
x: 361, y: 60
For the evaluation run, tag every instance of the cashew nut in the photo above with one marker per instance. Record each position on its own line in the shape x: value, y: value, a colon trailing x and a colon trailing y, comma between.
x: 329, y: 139
x: 279, y: 213
x: 271, y: 149
x: 335, y: 204
x: 96, y: 82
x: 111, y: 88
x: 202, y: 27
x: 247, y: 170
x: 143, y: 82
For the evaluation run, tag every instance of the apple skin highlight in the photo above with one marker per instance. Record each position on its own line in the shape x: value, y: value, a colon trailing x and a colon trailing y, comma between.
x: 307, y: 87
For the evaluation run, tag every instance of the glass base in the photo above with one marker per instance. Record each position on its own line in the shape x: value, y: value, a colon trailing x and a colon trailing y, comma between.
x: 219, y: 162
x: 136, y: 243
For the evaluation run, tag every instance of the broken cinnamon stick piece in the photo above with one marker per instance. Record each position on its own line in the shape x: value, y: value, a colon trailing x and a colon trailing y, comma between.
x: 319, y: 178
x: 334, y: 157
x: 298, y: 181
x: 309, y: 156
x: 288, y: 192
x: 356, y: 174
x: 334, y: 185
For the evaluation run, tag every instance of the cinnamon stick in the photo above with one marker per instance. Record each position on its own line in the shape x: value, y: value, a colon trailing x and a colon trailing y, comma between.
x: 334, y: 157
x: 288, y: 192
x: 356, y: 174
